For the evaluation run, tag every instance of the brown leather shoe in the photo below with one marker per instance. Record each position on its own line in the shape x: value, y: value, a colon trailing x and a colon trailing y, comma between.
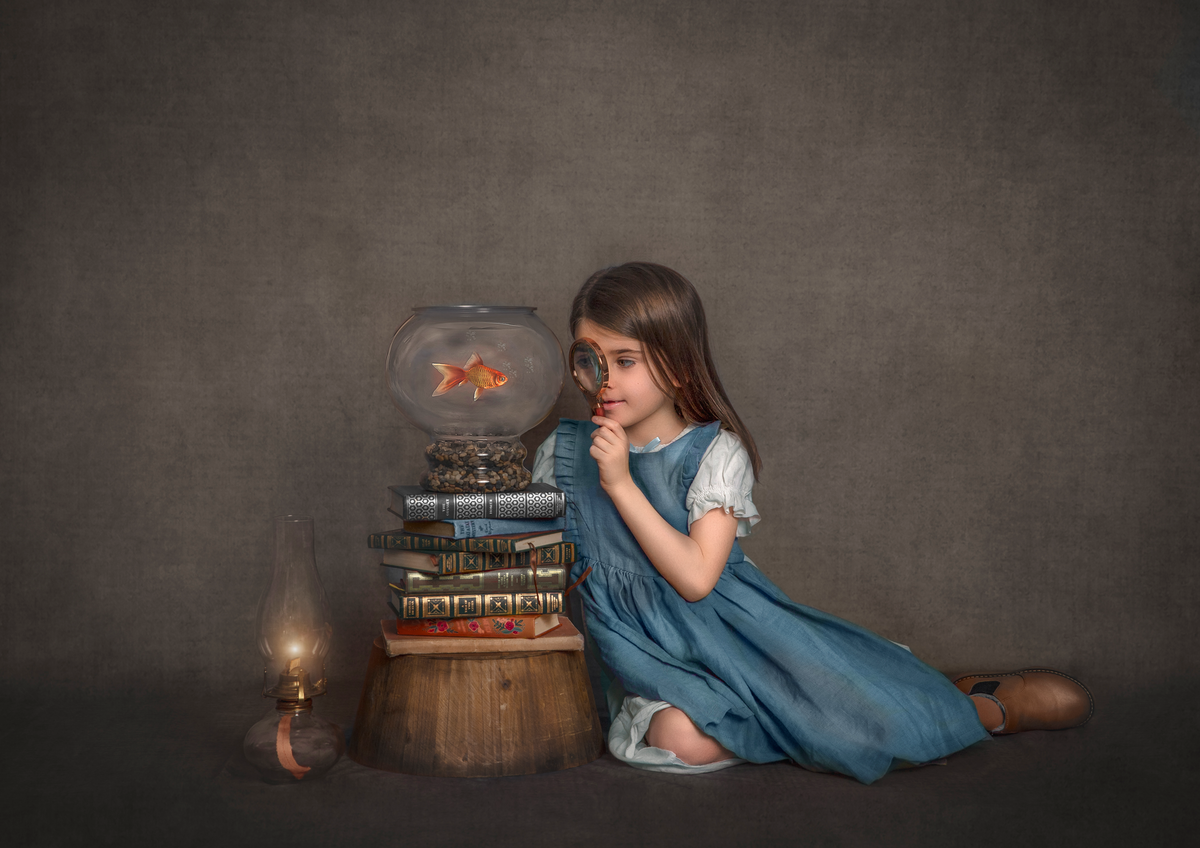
x: 1033, y: 698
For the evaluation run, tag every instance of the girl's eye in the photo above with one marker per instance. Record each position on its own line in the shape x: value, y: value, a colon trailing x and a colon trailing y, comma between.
x: 626, y: 363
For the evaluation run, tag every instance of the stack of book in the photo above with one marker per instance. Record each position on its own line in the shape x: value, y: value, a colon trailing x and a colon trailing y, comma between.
x: 489, y: 565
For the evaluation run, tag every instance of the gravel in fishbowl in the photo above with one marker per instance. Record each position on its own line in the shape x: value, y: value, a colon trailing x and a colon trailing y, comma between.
x: 474, y: 453
x: 455, y: 479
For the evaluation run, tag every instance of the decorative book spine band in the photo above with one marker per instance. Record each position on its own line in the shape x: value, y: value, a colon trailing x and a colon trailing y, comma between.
x: 435, y: 506
x: 509, y: 580
x: 468, y: 562
x: 401, y: 541
x: 476, y: 606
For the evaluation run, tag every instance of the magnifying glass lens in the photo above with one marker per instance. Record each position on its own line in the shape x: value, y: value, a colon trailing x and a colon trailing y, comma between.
x: 588, y: 372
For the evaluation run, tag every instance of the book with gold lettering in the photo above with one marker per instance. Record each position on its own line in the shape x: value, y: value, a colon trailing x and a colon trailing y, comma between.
x: 475, y: 528
x: 467, y: 562
x: 478, y: 605
x: 501, y: 580
x: 537, y: 500
x: 401, y: 540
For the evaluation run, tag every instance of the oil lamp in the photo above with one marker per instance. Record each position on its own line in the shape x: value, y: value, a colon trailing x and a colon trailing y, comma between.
x: 294, y: 629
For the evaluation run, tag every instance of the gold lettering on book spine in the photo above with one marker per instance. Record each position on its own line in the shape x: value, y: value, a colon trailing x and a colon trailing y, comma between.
x: 466, y: 606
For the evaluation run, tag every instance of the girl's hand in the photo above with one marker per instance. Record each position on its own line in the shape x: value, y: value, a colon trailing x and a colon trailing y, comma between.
x: 610, y: 449
x: 691, y: 562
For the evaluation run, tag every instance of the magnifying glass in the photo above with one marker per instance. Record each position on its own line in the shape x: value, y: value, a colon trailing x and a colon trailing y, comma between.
x: 589, y: 369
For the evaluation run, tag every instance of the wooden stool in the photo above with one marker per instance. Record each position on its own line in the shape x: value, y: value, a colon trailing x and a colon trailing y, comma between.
x: 488, y: 713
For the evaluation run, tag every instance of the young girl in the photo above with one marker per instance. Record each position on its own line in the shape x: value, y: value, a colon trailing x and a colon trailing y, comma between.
x: 713, y: 664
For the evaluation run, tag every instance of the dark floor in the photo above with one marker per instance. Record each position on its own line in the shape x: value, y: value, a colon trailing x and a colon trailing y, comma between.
x: 156, y: 769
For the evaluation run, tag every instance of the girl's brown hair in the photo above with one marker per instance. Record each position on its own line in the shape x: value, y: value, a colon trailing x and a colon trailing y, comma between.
x: 661, y: 309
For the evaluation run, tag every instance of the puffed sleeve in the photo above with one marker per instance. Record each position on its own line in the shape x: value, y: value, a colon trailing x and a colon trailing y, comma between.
x: 543, y: 460
x: 724, y: 480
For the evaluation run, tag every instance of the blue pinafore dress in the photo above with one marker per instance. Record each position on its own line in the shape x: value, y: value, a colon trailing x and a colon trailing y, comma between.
x: 768, y: 678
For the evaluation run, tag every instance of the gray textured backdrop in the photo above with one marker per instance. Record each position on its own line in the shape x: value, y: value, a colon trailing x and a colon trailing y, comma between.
x: 949, y: 252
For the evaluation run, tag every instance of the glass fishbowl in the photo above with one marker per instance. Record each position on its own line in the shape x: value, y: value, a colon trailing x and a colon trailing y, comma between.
x: 475, y: 378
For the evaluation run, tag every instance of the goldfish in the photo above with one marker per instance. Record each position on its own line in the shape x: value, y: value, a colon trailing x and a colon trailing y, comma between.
x: 474, y: 372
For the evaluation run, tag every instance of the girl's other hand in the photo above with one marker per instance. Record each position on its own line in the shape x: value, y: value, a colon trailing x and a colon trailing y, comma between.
x: 610, y: 449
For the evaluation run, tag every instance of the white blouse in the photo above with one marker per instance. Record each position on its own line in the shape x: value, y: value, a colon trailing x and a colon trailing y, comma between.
x: 724, y: 480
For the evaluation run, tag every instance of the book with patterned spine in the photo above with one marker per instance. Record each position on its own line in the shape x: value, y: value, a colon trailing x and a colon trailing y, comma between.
x: 402, y: 540
x: 538, y: 500
x: 501, y: 580
x: 470, y: 562
x: 476, y: 605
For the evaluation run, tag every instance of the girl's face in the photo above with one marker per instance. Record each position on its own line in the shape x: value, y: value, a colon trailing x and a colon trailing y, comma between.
x: 632, y: 398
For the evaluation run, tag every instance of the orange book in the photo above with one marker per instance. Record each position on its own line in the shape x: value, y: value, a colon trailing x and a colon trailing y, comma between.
x: 564, y: 637
x: 502, y: 627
